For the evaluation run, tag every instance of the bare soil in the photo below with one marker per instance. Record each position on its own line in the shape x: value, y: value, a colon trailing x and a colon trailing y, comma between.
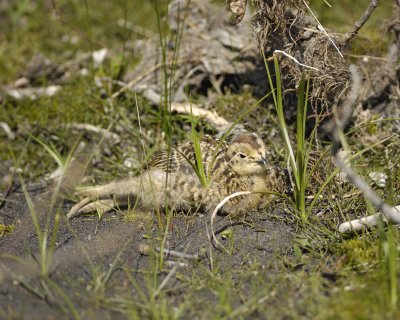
x: 261, y: 240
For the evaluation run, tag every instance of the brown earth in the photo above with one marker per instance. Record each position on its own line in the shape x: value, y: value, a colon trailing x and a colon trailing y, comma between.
x: 261, y: 240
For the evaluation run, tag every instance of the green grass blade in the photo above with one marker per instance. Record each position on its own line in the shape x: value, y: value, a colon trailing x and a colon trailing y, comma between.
x: 271, y: 83
x: 32, y: 212
x: 281, y: 118
x: 278, y: 101
x: 52, y: 151
x: 74, y: 312
x: 52, y: 245
x: 197, y: 151
x: 301, y: 147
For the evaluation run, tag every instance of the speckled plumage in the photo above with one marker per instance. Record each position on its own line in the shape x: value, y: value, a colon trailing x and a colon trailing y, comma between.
x: 170, y: 180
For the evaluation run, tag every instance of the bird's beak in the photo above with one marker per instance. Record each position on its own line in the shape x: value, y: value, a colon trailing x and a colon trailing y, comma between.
x: 262, y: 161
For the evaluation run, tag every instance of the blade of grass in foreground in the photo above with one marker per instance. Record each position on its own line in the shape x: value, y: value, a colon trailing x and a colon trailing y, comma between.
x: 301, y: 145
x: 298, y: 161
x: 281, y: 115
x: 199, y: 167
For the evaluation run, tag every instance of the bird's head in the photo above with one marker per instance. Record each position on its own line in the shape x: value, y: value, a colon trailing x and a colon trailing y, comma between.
x: 246, y: 153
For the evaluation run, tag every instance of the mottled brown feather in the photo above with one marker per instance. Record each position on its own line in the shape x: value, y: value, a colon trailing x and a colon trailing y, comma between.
x: 179, y: 159
x: 236, y: 165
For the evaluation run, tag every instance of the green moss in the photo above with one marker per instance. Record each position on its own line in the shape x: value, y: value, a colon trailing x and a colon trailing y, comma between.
x: 6, y: 229
x: 64, y: 27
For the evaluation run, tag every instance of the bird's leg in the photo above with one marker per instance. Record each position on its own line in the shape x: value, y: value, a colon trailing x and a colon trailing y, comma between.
x: 103, y: 198
x: 118, y: 188
x: 100, y: 206
x: 75, y: 210
x: 88, y: 205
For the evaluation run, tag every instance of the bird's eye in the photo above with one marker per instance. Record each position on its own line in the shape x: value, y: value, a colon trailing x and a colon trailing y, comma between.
x: 242, y: 155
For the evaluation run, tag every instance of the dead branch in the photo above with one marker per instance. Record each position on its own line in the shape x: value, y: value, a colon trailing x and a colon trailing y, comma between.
x: 111, y: 136
x: 366, y: 222
x: 323, y: 29
x: 211, y: 116
x: 32, y: 93
x: 360, y: 23
x: 214, y: 214
x: 390, y: 213
x: 7, y: 130
x: 145, y: 250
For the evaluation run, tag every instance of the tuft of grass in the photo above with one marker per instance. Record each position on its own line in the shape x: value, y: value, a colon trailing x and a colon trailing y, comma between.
x: 46, y: 249
x: 301, y: 148
x: 198, y: 166
x: 166, y: 94
x: 298, y: 159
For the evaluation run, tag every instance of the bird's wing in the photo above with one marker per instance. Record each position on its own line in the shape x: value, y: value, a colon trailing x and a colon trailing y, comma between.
x: 175, y: 160
x: 183, y: 157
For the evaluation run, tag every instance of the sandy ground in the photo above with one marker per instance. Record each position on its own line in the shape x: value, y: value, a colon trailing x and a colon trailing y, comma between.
x: 85, y: 244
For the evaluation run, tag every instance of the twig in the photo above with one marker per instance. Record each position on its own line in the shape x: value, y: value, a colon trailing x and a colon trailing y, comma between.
x: 171, y: 263
x: 165, y: 281
x: 363, y: 56
x: 328, y: 4
x: 113, y: 137
x: 218, y: 207
x: 145, y: 250
x: 335, y: 196
x: 366, y: 222
x: 8, y: 190
x: 138, y: 78
x: 32, y: 93
x: 359, y: 24
x: 7, y: 130
x: 323, y: 29
x: 295, y: 60
x: 196, y: 110
x: 210, y: 116
x: 6, y: 193
x: 390, y: 213
x: 131, y: 84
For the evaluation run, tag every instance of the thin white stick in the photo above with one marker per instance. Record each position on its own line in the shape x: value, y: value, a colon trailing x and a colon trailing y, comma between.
x: 360, y: 224
x: 323, y: 29
x: 7, y: 130
x: 165, y: 281
x: 368, y: 222
x: 295, y: 60
x: 197, y: 110
x: 390, y: 213
x: 219, y: 206
x: 145, y: 250
x: 115, y: 138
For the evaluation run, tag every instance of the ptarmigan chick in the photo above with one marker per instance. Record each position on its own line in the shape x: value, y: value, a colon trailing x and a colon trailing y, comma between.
x: 171, y: 180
